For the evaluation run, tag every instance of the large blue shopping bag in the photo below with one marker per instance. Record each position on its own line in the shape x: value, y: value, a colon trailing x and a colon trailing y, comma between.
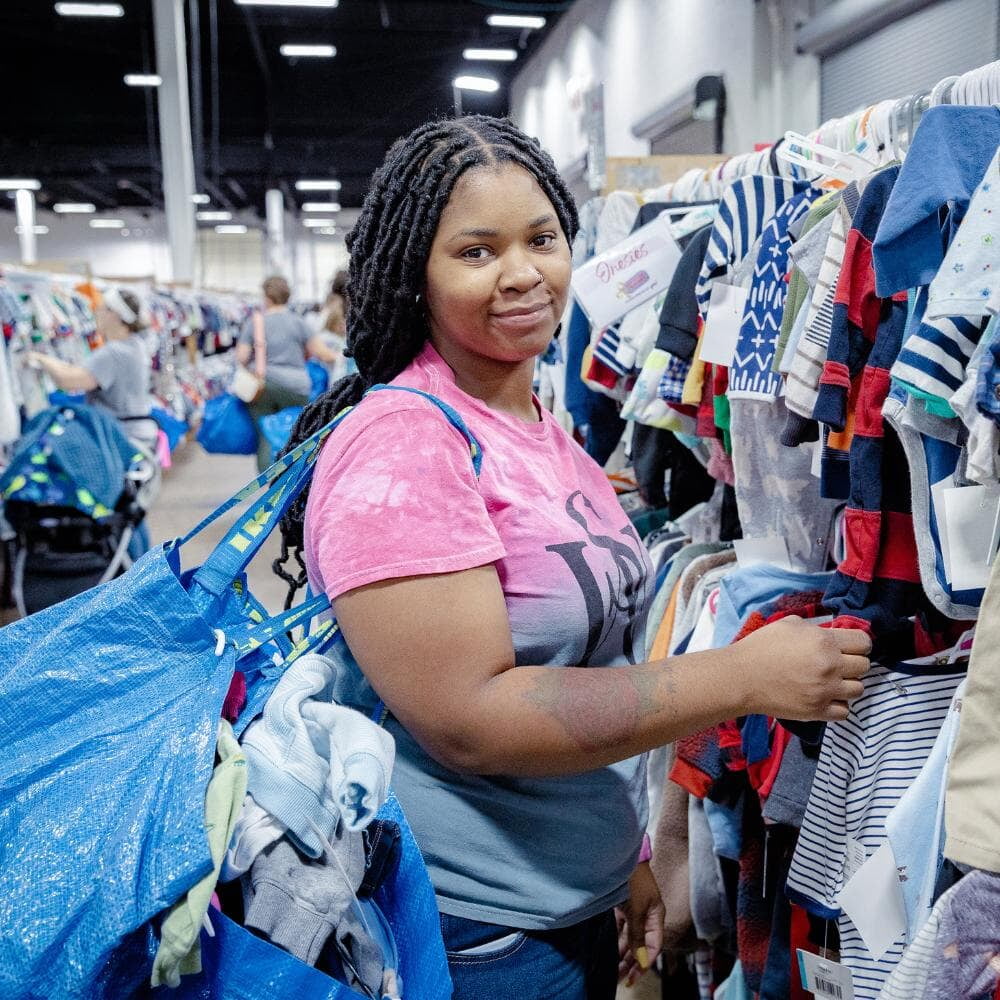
x: 109, y: 704
x: 319, y: 378
x: 276, y: 428
x: 227, y: 427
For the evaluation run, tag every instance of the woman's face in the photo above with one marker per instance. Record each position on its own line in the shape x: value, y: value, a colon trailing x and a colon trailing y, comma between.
x: 499, y: 267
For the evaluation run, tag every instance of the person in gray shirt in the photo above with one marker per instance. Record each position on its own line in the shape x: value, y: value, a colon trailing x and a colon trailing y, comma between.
x: 116, y: 376
x: 288, y: 344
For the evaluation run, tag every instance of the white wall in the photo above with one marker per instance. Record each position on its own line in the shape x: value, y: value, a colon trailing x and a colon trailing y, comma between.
x: 141, y: 251
x: 646, y: 52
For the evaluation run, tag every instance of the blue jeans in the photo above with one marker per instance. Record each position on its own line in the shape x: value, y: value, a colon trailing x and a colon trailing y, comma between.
x: 572, y: 963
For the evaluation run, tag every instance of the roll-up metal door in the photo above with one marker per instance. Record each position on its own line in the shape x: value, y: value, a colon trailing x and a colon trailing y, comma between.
x: 910, y: 55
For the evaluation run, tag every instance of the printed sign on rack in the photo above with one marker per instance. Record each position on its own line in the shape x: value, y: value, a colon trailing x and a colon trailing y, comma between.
x: 632, y: 272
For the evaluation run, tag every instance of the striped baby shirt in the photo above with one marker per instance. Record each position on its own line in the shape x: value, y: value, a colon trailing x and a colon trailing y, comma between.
x: 745, y: 207
x: 866, y: 764
x: 802, y: 383
x: 936, y: 352
x: 606, y: 350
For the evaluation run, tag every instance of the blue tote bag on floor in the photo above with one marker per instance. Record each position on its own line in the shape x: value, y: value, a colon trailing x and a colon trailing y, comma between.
x: 109, y: 704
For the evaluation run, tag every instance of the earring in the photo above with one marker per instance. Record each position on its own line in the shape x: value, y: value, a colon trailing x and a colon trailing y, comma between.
x: 416, y: 299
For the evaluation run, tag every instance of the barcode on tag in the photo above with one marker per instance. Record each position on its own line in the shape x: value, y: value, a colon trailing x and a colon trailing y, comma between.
x: 824, y: 988
x: 824, y: 978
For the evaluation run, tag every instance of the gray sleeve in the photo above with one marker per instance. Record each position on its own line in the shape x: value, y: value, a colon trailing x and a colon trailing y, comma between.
x: 246, y: 333
x: 105, y: 365
x: 808, y: 253
x: 303, y: 333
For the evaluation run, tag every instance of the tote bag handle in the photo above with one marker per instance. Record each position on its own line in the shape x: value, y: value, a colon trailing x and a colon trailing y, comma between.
x: 287, y: 477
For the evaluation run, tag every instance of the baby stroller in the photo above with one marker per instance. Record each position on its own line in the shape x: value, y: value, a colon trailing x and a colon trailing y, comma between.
x: 75, y: 495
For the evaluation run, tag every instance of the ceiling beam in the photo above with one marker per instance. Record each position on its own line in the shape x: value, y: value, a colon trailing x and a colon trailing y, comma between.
x: 218, y: 194
x: 98, y: 197
x: 143, y: 192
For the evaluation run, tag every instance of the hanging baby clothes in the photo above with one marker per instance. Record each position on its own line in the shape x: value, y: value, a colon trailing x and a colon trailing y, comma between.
x: 772, y: 483
x: 865, y: 766
x: 972, y: 803
x: 968, y: 281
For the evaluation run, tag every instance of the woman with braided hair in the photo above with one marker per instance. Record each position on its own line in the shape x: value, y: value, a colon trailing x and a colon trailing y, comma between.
x: 498, y: 613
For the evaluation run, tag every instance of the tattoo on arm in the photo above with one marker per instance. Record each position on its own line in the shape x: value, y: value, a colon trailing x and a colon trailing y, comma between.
x: 603, y: 708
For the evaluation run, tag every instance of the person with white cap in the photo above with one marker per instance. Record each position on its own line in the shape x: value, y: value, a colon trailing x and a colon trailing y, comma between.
x: 116, y: 376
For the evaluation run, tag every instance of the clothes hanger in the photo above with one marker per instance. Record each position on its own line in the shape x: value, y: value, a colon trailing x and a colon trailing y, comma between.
x: 696, y: 217
x: 900, y: 127
x: 824, y: 160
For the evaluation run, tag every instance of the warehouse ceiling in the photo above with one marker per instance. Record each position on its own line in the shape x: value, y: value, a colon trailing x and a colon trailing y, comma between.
x: 266, y: 120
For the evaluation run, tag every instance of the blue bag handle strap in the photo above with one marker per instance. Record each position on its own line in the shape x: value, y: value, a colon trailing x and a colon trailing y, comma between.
x: 245, y: 538
x: 454, y: 418
x: 290, y: 475
x: 306, y: 451
x: 253, y: 635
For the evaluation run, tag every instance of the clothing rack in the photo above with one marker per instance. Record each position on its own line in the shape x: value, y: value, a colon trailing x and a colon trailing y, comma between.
x: 882, y: 131
x: 854, y: 417
x: 52, y: 311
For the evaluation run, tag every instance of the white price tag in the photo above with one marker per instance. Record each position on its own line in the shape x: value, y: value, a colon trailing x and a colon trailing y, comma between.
x: 726, y: 308
x: 771, y: 551
x: 970, y: 513
x: 825, y: 978
x: 816, y: 468
x: 873, y: 900
x: 855, y: 856
x: 633, y: 271
x: 937, y: 496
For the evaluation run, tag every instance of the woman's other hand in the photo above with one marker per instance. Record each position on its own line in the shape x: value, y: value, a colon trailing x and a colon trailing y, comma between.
x: 640, y: 926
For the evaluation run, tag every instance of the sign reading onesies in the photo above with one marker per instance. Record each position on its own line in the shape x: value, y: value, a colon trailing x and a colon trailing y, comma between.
x: 633, y: 271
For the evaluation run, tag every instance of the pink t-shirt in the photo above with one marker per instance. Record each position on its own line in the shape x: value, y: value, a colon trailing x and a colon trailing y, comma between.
x: 395, y: 494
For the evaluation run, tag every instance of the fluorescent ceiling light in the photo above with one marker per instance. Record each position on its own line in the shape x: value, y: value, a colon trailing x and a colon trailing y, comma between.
x: 287, y: 3
x: 321, y: 206
x: 320, y: 51
x: 515, y: 21
x: 90, y: 9
x: 37, y: 230
x: 234, y: 230
x: 481, y: 83
x: 107, y: 223
x: 327, y: 231
x: 492, y: 55
x: 74, y: 207
x: 317, y: 185
x: 19, y: 184
x: 142, y: 80
x: 200, y: 199
x: 318, y: 223
x: 213, y: 216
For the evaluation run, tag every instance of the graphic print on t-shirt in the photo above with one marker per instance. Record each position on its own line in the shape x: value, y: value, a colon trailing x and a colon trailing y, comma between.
x: 622, y: 593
